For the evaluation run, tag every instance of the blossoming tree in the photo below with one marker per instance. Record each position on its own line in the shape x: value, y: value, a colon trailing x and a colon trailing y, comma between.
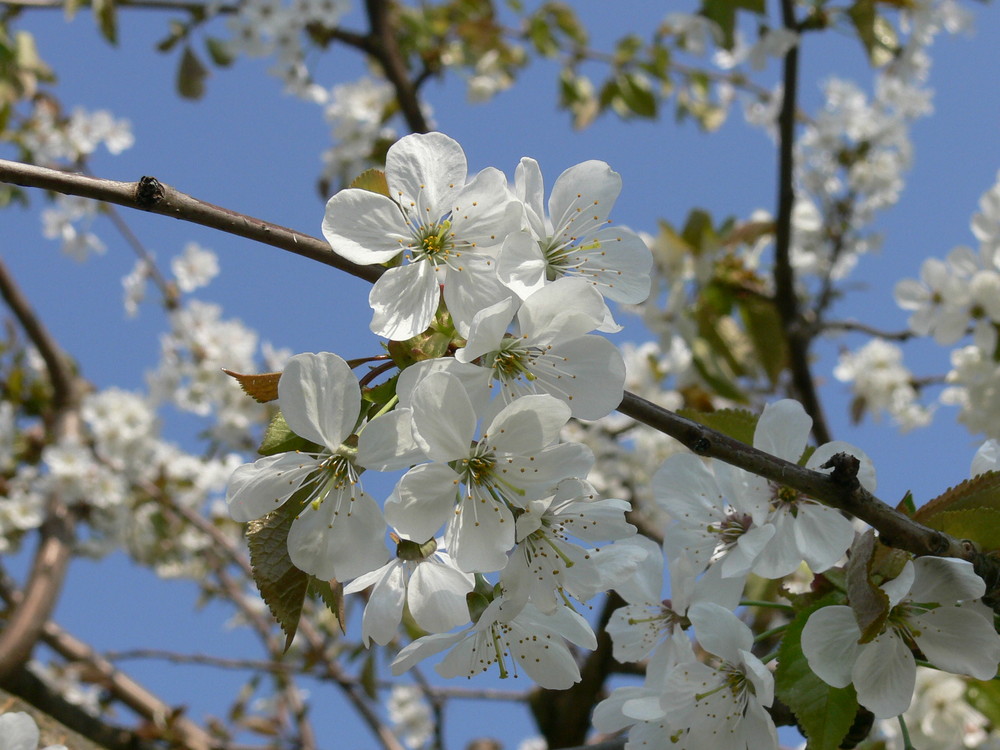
x: 664, y: 540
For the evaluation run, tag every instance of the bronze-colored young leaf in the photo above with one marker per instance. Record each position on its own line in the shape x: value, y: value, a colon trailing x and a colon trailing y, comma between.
x: 981, y: 525
x: 261, y: 388
x: 282, y: 586
x: 869, y: 602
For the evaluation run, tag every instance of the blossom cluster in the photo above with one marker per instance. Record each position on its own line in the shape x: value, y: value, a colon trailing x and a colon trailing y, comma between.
x: 491, y: 300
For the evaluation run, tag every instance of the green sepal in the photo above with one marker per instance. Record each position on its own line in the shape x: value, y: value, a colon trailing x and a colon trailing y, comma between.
x: 282, y: 586
x: 824, y: 713
x: 279, y: 438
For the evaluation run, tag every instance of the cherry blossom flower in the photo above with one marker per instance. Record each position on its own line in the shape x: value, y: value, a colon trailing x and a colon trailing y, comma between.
x: 473, y: 489
x: 18, y: 731
x: 424, y: 577
x: 530, y: 641
x: 932, y: 609
x: 552, y: 350
x: 573, y: 239
x: 339, y: 531
x: 446, y: 228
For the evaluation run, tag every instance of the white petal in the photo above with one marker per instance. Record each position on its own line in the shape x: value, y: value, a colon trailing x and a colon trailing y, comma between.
x: 423, y: 647
x: 583, y: 195
x: 618, y: 263
x: 521, y: 265
x: 945, y: 580
x: 830, y: 644
x: 719, y: 631
x: 783, y: 430
x: 342, y: 539
x: 471, y: 288
x: 426, y: 169
x: 384, y: 610
x: 587, y: 372
x: 480, y: 535
x: 386, y: 443
x: 364, y: 227
x: 822, y: 535
x: 424, y: 500
x: 254, y: 490
x: 320, y: 398
x: 488, y: 327
x: 866, y: 471
x: 444, y: 421
x: 647, y: 583
x: 530, y: 190
x: 18, y: 731
x: 527, y: 425
x: 437, y: 596
x: 884, y: 676
x: 958, y: 640
x: 564, y: 309
x: 404, y: 300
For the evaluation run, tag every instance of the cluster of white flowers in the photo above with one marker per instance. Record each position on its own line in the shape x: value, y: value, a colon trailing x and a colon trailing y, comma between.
x: 491, y: 300
x: 882, y: 383
x: 272, y: 27
x: 356, y: 113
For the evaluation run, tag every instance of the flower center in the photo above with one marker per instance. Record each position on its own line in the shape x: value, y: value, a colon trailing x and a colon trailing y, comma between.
x: 434, y: 242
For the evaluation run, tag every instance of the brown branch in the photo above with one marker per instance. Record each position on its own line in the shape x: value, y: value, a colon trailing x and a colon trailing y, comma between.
x: 385, y: 49
x: 150, y: 195
x: 796, y: 331
x: 838, y: 489
x: 51, y: 561
x: 122, y: 687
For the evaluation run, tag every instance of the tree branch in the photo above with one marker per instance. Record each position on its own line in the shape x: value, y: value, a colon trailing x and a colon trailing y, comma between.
x: 148, y: 194
x: 385, y: 49
x: 795, y: 329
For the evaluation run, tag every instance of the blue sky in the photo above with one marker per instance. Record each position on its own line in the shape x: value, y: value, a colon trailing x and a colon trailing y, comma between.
x: 248, y: 147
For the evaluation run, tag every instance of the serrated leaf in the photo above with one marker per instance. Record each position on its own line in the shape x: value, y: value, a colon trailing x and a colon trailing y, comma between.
x: 738, y: 424
x: 762, y: 322
x: 261, y: 388
x: 282, y: 586
x: 906, y: 505
x: 869, y: 602
x: 979, y: 492
x: 332, y: 594
x: 191, y: 75
x: 279, y: 438
x: 106, y: 16
x: 219, y: 51
x: 824, y: 713
x: 981, y: 525
x: 372, y: 180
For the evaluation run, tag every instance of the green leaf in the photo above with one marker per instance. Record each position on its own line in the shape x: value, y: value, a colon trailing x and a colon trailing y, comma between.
x: 106, y: 16
x: 980, y: 493
x: 282, y: 586
x: 279, y: 438
x: 869, y: 602
x: 716, y: 372
x: 738, y: 424
x: 332, y: 594
x: 875, y: 32
x: 984, y: 696
x: 763, y: 325
x: 723, y: 12
x: 637, y: 95
x: 824, y: 713
x: 372, y: 180
x: 219, y: 51
x: 191, y: 75
x: 981, y: 525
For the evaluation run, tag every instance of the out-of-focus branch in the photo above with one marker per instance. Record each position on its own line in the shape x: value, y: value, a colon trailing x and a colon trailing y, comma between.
x: 796, y: 331
x: 385, y: 49
x: 48, y: 569
x: 148, y: 194
x: 118, y: 684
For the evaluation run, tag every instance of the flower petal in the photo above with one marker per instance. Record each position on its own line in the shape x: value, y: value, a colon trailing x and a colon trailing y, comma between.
x: 320, y: 398
x: 783, y: 430
x: 404, y: 300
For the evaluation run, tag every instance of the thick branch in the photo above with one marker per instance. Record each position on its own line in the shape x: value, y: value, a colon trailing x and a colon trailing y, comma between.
x: 150, y: 195
x: 385, y: 49
x: 838, y: 489
x: 796, y: 331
